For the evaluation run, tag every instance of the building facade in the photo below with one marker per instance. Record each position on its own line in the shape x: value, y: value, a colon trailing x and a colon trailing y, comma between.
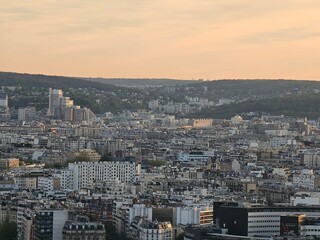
x: 84, y: 231
x: 49, y: 223
x: 85, y: 174
x: 258, y: 221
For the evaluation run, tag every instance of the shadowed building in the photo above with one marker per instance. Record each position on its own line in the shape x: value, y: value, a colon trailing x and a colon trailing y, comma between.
x: 84, y: 231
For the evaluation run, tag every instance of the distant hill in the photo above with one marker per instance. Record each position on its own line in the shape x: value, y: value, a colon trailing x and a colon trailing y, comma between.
x: 288, y: 97
x: 100, y: 97
x: 12, y: 79
x: 142, y: 82
x: 299, y: 98
x: 256, y: 88
x: 302, y: 105
x: 45, y: 81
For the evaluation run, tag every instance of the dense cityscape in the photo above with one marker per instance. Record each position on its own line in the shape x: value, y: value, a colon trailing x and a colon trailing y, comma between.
x: 160, y: 120
x: 68, y: 173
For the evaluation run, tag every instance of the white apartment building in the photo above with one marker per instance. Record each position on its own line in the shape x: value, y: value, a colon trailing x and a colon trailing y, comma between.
x: 193, y: 215
x: 123, y: 214
x: 87, y: 131
x: 198, y: 157
x: 266, y: 224
x: 85, y: 174
x: 277, y: 132
x: 310, y: 227
x: 259, y: 221
x: 68, y: 143
x: 306, y: 180
x: 311, y: 158
x: 66, y: 179
x: 277, y: 142
x: 154, y: 230
x: 26, y: 182
x: 140, y: 210
x: 113, y: 146
x: 304, y: 200
x: 25, y: 223
x: 48, y: 183
x: 26, y: 114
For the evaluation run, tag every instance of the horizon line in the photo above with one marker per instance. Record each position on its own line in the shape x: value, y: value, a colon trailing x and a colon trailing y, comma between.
x: 162, y: 78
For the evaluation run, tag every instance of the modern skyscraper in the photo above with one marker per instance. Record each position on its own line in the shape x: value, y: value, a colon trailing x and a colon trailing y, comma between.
x: 57, y: 94
x: 58, y: 103
x: 62, y: 108
x: 49, y: 113
x: 54, y: 101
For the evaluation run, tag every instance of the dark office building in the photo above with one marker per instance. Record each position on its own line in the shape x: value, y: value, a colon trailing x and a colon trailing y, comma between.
x: 290, y: 225
x: 257, y: 221
x: 198, y: 232
x: 48, y: 224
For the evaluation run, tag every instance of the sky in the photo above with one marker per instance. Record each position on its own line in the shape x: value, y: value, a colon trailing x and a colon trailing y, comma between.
x: 182, y: 39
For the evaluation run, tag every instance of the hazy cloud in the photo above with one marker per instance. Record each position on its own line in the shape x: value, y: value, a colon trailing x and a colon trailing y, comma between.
x: 177, y: 38
x: 288, y: 34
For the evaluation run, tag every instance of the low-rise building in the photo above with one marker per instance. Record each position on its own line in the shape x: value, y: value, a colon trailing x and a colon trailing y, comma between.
x: 84, y: 231
x: 306, y: 179
x: 9, y: 163
x: 144, y: 229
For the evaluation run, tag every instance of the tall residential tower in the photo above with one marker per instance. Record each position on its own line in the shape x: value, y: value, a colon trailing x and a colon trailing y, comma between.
x: 62, y: 107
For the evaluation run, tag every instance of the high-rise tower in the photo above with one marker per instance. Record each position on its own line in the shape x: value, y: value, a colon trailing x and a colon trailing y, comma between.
x: 49, y: 113
x: 55, y: 96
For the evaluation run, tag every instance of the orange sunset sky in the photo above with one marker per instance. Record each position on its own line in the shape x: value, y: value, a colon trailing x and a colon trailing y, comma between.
x: 184, y: 39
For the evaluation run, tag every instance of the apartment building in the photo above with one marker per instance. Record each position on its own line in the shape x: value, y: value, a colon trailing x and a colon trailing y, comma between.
x: 6, y: 164
x: 48, y: 183
x: 193, y: 215
x: 144, y: 229
x: 85, y: 174
x: 84, y: 231
x: 306, y: 179
x: 49, y: 223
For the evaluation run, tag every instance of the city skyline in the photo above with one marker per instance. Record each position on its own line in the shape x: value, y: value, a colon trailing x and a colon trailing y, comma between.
x: 171, y: 39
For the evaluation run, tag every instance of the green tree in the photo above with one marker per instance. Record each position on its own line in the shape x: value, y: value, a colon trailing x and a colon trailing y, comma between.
x: 82, y: 157
x: 156, y: 163
x: 105, y: 158
x: 180, y: 236
x: 8, y: 231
